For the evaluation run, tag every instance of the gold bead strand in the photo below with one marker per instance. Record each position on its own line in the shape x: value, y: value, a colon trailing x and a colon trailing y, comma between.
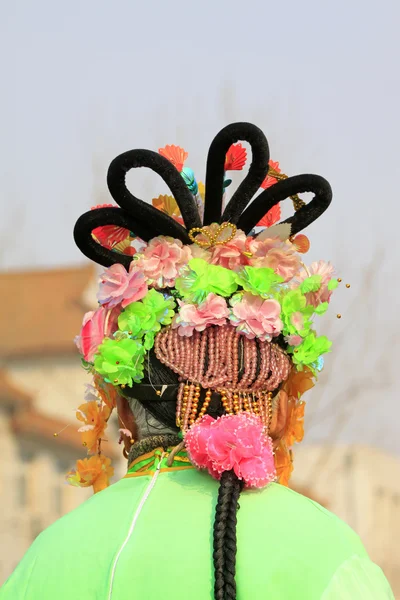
x: 268, y: 408
x: 225, y: 401
x: 179, y: 404
x: 235, y: 397
x: 261, y: 407
x: 188, y: 412
x: 206, y: 404
x: 256, y: 408
x: 195, y: 404
x: 186, y: 389
x: 246, y: 404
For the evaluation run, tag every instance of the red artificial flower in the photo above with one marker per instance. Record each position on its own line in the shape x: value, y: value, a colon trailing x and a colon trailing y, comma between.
x: 272, y: 217
x: 270, y: 179
x: 301, y: 243
x: 110, y: 235
x: 175, y: 155
x: 125, y: 247
x: 103, y: 206
x: 235, y: 158
x: 169, y: 206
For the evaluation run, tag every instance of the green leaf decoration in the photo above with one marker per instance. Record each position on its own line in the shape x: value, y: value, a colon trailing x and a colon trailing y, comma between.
x: 333, y: 284
x: 311, y: 284
x: 311, y: 349
x: 321, y: 308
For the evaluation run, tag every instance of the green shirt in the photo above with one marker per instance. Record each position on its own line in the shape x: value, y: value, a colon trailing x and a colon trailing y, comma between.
x: 149, y: 536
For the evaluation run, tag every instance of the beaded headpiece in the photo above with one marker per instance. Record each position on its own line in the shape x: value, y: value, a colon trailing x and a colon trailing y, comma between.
x: 217, y: 292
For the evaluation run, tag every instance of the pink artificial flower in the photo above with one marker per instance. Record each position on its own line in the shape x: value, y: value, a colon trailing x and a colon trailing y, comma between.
x: 96, y: 326
x: 259, y: 248
x: 198, y: 252
x: 233, y: 442
x: 231, y: 255
x: 277, y: 255
x: 294, y: 340
x: 197, y: 438
x: 326, y: 270
x: 163, y: 259
x: 120, y: 287
x: 212, y: 311
x: 256, y: 317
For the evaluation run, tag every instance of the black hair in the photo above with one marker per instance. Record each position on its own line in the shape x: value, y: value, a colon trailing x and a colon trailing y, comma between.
x: 146, y: 222
x: 225, y: 541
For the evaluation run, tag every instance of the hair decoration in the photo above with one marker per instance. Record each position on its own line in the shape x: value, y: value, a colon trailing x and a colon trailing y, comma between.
x: 233, y: 443
x: 144, y: 221
x: 209, y: 238
x: 223, y: 302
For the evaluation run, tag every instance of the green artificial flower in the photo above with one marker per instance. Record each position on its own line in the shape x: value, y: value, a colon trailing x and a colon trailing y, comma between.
x: 201, y: 279
x: 135, y: 319
x: 148, y: 342
x: 311, y: 349
x: 259, y: 281
x: 120, y: 362
x: 311, y: 284
x: 147, y: 315
x: 295, y: 314
x: 161, y: 307
x: 293, y: 301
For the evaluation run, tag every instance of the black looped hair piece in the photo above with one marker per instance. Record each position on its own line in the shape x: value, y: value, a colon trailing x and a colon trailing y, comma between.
x: 284, y: 189
x: 134, y: 159
x: 106, y: 216
x: 142, y: 219
x: 216, y: 169
x: 146, y: 222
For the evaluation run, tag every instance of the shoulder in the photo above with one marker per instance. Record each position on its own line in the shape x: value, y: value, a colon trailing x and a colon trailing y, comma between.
x: 358, y: 579
x: 304, y: 543
x: 90, y: 532
x: 90, y: 518
x: 299, y: 519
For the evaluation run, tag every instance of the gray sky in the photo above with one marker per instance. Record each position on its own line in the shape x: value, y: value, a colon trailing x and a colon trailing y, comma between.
x: 84, y: 81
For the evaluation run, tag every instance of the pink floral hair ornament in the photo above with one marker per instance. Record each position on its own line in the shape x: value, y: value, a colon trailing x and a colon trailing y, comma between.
x: 233, y: 442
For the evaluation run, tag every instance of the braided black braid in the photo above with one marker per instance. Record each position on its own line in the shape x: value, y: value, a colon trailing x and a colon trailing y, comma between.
x: 225, y: 542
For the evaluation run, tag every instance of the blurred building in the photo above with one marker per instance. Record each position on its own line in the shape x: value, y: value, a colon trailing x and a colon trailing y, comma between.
x: 362, y: 486
x: 41, y: 384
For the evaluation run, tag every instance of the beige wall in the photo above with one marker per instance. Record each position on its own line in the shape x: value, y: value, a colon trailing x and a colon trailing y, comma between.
x: 56, y: 383
x: 362, y: 486
x: 36, y: 493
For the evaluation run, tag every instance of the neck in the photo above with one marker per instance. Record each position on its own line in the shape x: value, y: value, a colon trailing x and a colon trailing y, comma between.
x: 150, y: 443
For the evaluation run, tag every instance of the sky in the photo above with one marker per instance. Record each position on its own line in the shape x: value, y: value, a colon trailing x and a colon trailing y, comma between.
x: 85, y: 81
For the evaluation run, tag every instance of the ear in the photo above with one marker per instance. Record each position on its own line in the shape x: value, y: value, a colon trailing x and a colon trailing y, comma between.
x: 279, y: 415
x: 126, y: 420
